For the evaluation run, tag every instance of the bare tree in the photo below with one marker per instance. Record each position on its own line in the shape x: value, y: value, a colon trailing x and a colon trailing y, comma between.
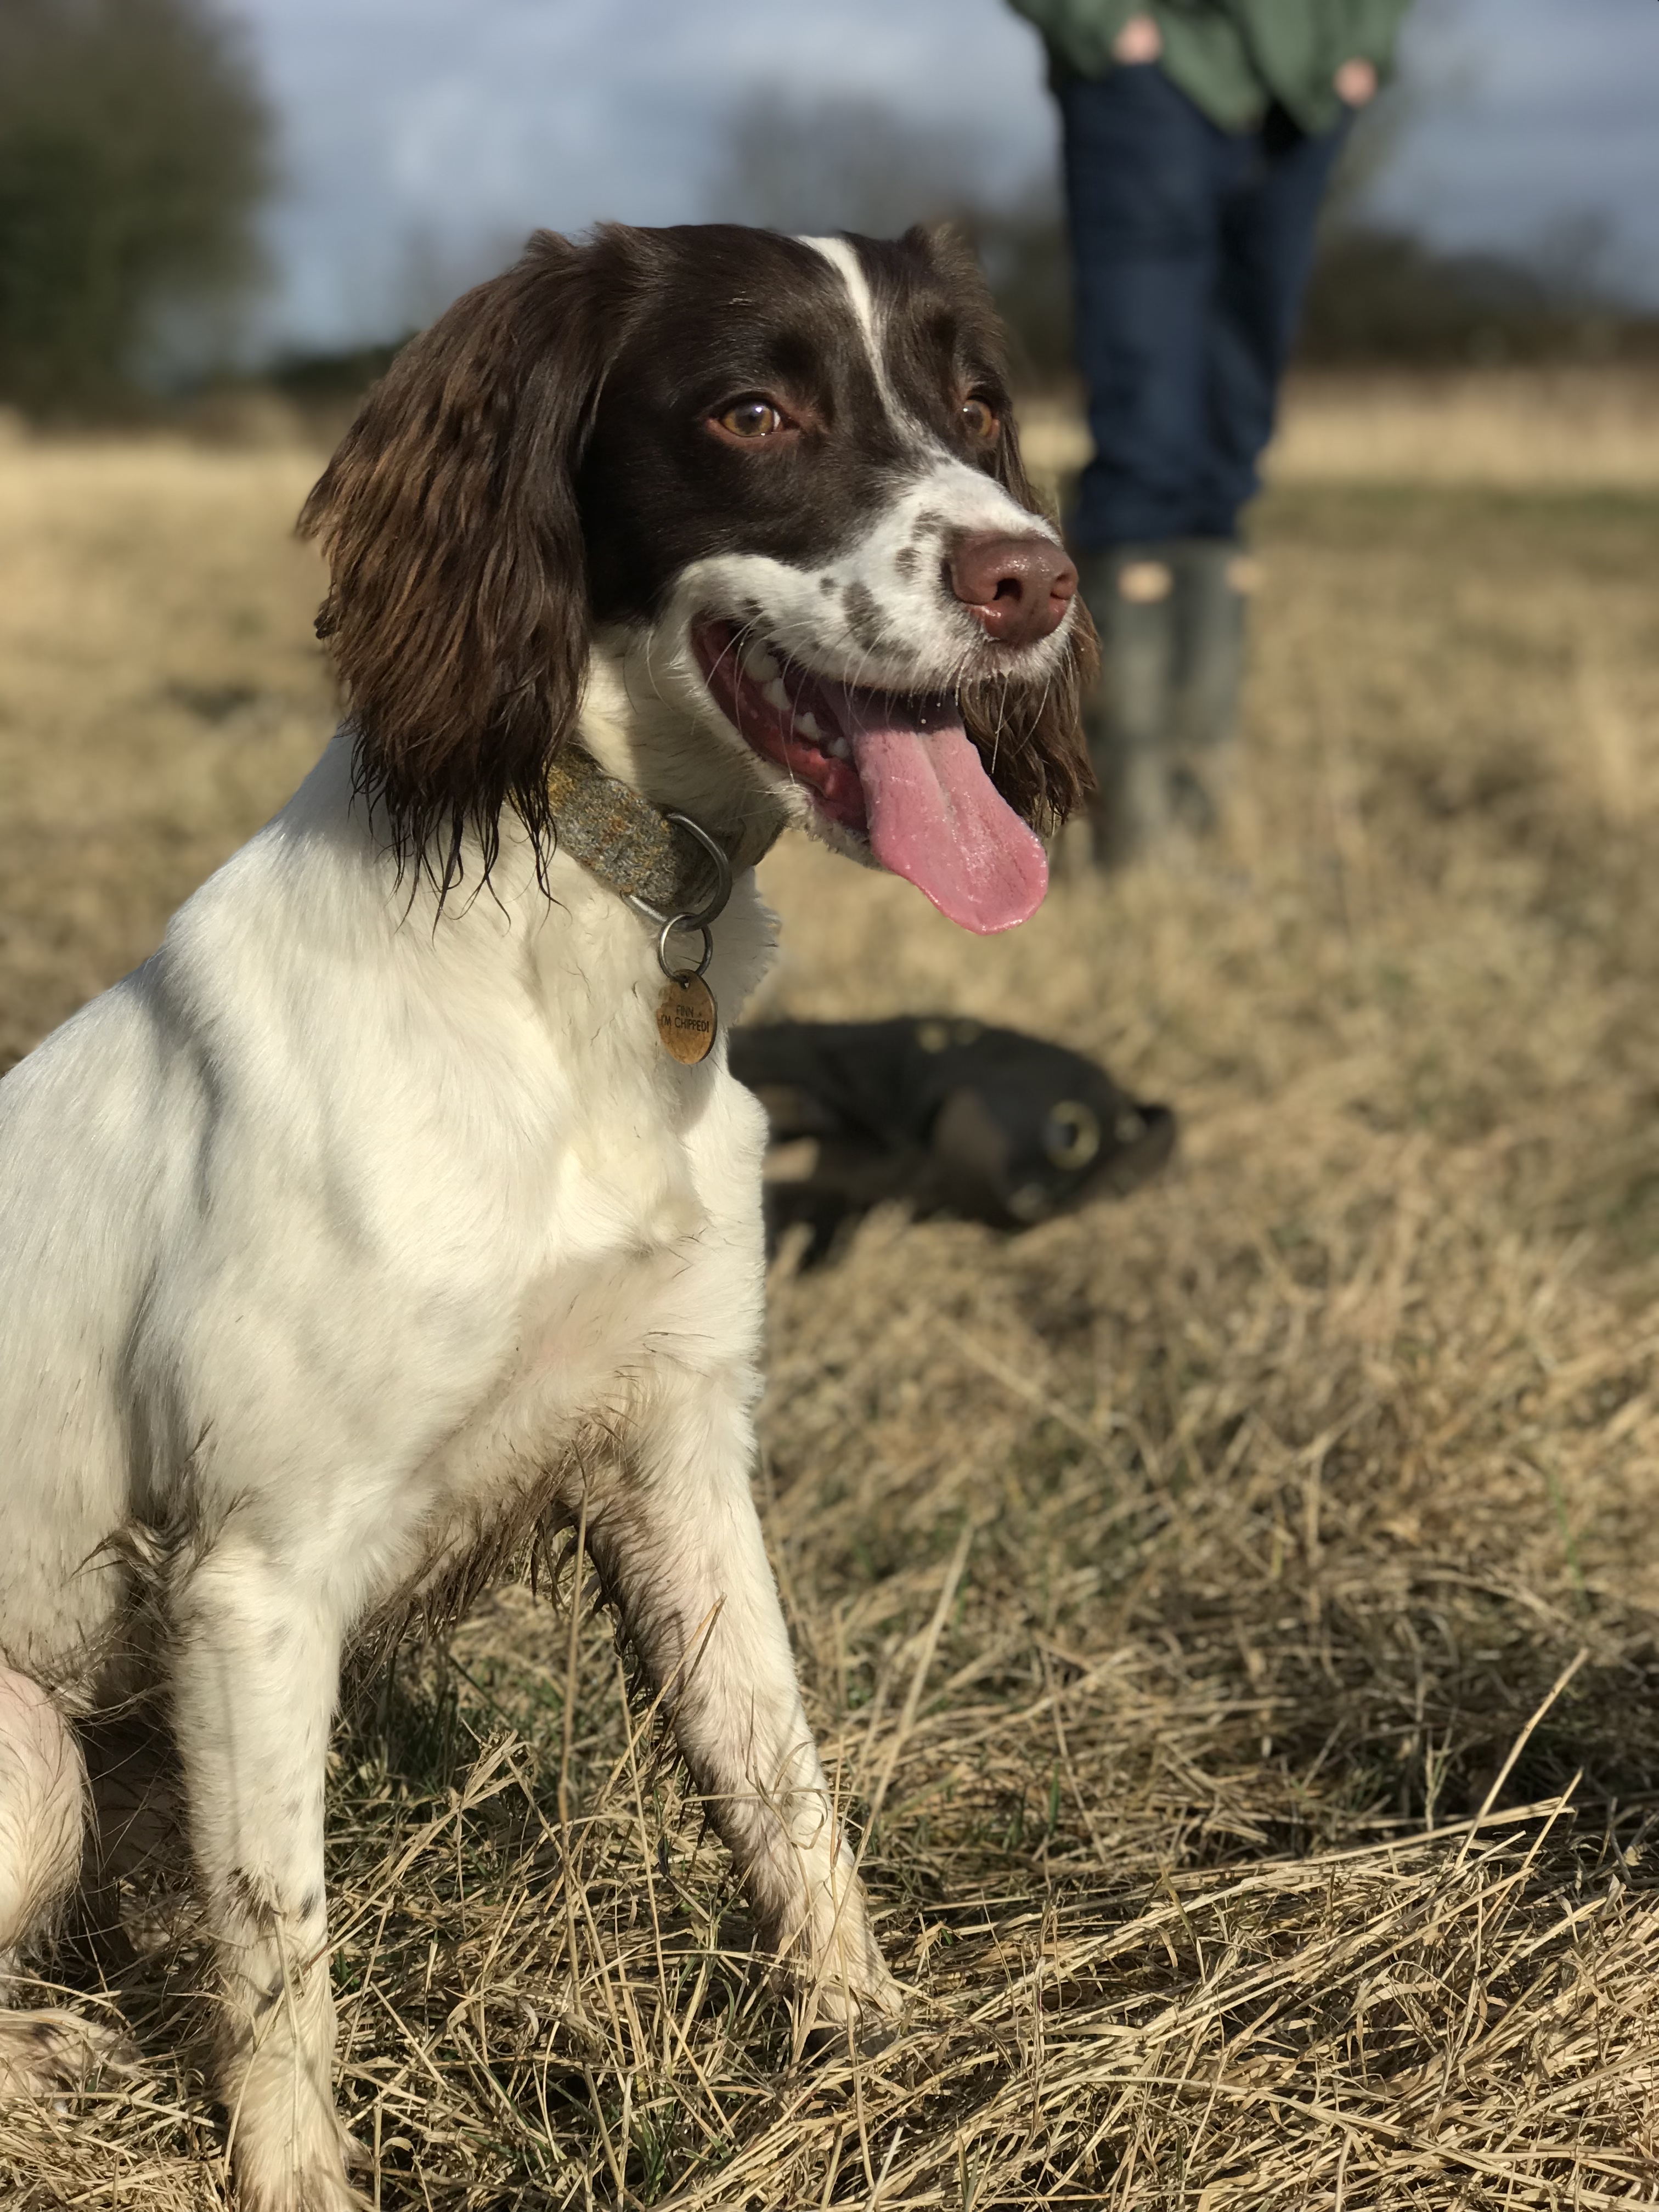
x: 134, y: 152
x: 835, y: 164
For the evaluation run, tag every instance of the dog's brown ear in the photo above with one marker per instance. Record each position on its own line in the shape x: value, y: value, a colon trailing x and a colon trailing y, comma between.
x: 458, y: 608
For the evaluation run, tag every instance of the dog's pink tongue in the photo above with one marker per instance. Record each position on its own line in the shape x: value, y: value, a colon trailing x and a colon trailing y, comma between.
x: 936, y: 819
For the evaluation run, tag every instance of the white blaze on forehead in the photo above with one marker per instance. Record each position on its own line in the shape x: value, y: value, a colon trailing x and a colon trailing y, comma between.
x: 843, y: 257
x: 841, y: 253
x: 956, y: 485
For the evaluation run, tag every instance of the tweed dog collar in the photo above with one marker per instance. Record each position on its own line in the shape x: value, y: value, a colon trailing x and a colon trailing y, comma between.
x: 667, y: 867
x: 634, y: 849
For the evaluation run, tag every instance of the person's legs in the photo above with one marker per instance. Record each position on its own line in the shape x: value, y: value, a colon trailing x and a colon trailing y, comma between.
x: 1267, y: 223
x: 1126, y: 590
x: 1266, y: 229
x: 1143, y: 193
x: 1207, y: 601
x: 1145, y: 173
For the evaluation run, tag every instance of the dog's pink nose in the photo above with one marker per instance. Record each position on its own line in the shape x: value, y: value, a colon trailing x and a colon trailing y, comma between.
x: 1019, y: 587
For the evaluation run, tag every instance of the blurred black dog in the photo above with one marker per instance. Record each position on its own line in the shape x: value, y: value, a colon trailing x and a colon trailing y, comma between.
x: 943, y: 1114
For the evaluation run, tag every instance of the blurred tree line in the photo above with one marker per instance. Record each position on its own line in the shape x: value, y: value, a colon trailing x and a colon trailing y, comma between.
x: 1377, y: 296
x: 135, y: 152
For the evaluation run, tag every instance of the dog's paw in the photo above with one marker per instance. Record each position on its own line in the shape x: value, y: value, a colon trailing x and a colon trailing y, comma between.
x: 359, y: 2156
x: 281, y: 2167
x: 315, y: 2184
x: 866, y: 2036
x: 47, y: 2056
x: 849, y: 2024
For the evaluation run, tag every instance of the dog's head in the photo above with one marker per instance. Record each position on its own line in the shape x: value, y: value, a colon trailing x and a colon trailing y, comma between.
x: 776, y: 482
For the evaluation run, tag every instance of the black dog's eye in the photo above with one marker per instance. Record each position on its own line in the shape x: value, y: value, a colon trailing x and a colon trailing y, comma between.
x: 752, y: 418
x: 979, y: 419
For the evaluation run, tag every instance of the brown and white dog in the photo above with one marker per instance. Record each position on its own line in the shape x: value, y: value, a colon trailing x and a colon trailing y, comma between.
x: 367, y: 1227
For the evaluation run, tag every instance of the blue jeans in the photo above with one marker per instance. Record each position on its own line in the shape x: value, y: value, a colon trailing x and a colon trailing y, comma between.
x: 1190, y: 250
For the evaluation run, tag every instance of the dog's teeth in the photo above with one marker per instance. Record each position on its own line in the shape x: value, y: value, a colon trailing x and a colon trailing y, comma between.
x: 807, y: 723
x: 759, y: 663
x: 775, y: 695
x: 838, y: 748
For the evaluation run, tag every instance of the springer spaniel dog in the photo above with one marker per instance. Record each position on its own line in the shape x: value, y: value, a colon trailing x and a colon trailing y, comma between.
x: 401, y: 1208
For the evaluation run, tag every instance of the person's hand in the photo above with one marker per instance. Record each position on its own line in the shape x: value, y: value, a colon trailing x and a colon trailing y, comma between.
x: 1141, y: 40
x: 1355, y: 82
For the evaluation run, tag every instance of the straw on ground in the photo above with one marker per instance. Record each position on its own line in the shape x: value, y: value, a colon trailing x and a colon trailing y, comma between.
x: 1228, y: 1614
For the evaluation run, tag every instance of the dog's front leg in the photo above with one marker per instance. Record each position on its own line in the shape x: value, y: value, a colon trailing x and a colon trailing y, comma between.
x: 256, y: 1674
x: 679, y: 1542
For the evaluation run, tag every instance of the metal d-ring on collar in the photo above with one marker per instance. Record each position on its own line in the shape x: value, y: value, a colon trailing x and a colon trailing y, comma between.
x: 700, y: 918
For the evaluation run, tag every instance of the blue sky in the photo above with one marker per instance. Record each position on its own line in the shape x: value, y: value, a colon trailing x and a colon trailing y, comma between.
x: 420, y: 137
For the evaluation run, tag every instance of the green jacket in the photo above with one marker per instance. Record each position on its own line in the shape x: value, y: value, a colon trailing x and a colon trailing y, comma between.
x: 1232, y: 57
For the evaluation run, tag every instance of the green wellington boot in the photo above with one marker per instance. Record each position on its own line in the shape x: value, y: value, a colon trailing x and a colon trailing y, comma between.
x: 1130, y: 591
x: 1213, y: 579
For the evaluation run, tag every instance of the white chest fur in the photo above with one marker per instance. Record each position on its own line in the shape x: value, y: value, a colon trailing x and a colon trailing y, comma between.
x: 415, y: 1195
x: 549, y: 1208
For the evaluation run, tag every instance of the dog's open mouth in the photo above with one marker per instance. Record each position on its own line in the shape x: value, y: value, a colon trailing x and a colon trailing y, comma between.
x: 897, y: 768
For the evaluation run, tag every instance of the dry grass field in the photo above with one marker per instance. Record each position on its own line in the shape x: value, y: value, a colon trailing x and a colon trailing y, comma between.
x: 1229, y: 1613
x: 1526, y: 429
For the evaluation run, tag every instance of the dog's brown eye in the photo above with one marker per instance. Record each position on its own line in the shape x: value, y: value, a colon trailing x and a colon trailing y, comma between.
x: 752, y: 418
x: 979, y: 419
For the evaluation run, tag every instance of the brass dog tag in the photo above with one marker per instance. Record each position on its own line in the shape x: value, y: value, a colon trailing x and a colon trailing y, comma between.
x: 687, y: 1018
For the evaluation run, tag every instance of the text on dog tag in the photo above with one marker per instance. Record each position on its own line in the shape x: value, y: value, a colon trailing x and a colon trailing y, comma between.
x: 687, y: 1018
